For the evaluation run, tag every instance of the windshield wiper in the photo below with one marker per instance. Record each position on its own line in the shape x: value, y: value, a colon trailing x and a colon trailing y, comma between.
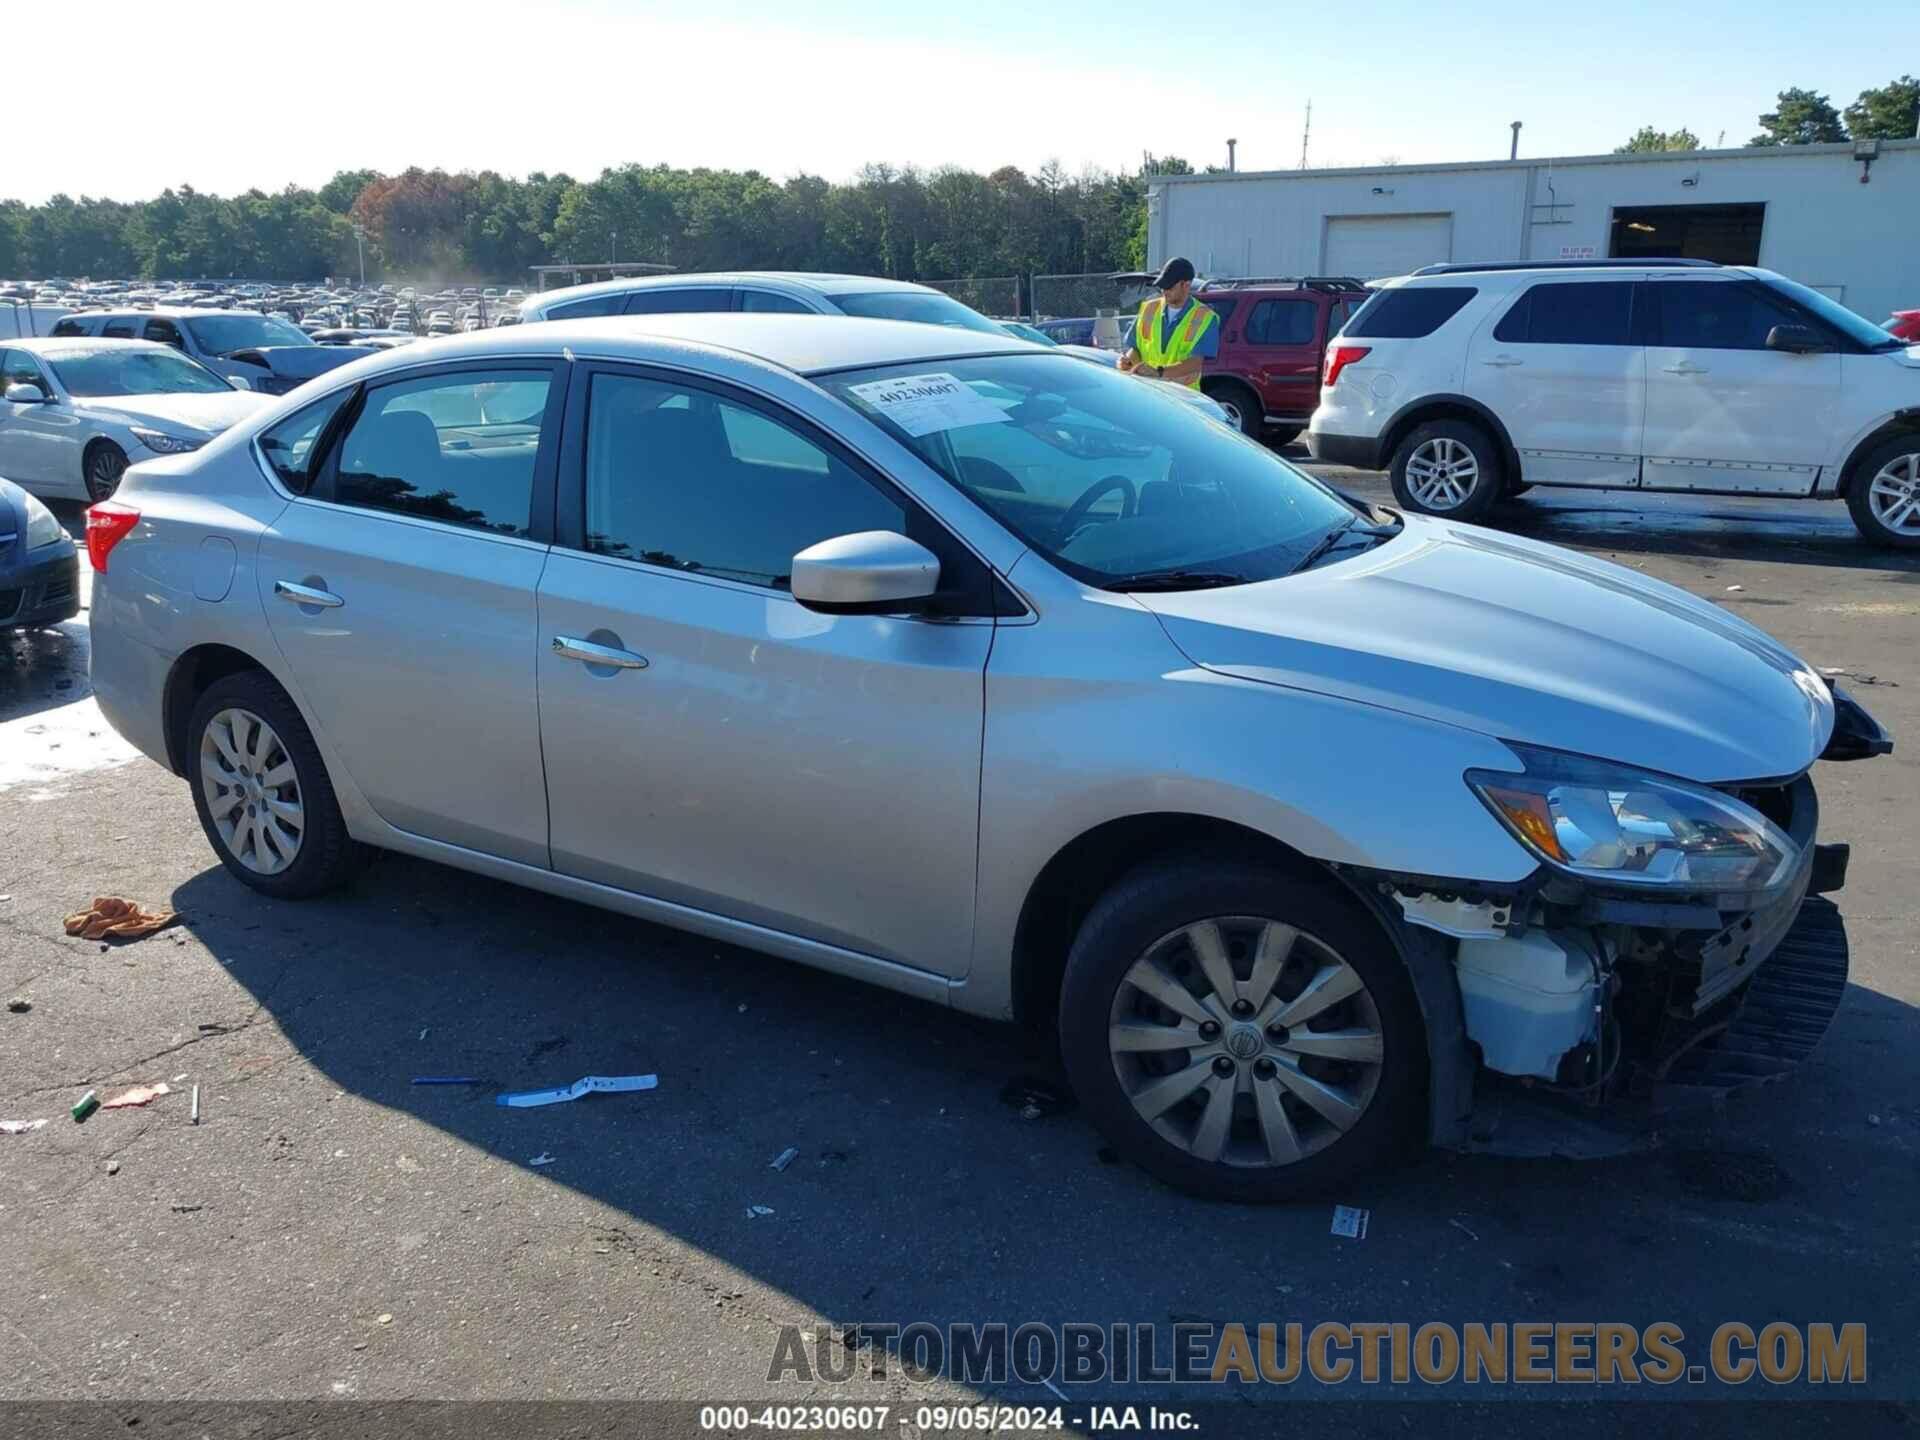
x: 1331, y: 541
x: 1175, y: 580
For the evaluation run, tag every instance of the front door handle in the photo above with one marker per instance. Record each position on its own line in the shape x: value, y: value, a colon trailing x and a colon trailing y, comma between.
x: 1684, y: 367
x: 1500, y: 362
x: 306, y: 595
x: 567, y: 647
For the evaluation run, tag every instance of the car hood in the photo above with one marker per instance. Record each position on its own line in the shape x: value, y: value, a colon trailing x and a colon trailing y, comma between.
x: 300, y: 361
x: 1521, y: 641
x: 207, y: 414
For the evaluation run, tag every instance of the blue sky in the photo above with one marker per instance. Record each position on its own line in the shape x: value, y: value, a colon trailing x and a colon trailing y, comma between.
x: 272, y: 93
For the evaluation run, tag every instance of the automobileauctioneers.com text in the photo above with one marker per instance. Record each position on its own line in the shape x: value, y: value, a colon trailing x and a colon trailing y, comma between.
x: 1332, y: 1352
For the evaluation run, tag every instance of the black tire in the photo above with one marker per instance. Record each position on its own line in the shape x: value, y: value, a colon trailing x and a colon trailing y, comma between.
x: 1241, y: 403
x: 328, y: 856
x: 1517, y: 488
x: 1489, y: 480
x: 1278, y: 435
x: 101, y: 467
x: 1860, y: 498
x: 1155, y: 902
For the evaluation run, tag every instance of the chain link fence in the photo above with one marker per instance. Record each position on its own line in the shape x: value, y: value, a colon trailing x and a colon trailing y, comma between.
x: 1071, y: 296
x: 995, y: 295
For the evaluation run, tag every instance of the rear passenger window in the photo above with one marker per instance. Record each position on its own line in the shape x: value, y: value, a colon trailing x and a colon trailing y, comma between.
x: 679, y: 302
x: 765, y: 302
x: 1224, y: 308
x: 289, y: 446
x: 458, y: 448
x: 119, y: 330
x: 1407, y: 313
x: 1283, y: 322
x: 588, y: 308
x: 68, y: 327
x: 681, y: 478
x: 1594, y: 313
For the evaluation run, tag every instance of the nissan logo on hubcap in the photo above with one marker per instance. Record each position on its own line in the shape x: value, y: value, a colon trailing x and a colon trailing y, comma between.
x: 1244, y: 1042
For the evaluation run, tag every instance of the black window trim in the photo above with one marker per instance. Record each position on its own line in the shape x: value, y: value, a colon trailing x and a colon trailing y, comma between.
x: 999, y: 602
x: 540, y: 517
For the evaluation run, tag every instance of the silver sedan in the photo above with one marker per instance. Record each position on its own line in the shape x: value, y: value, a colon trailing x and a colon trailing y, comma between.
x: 949, y: 662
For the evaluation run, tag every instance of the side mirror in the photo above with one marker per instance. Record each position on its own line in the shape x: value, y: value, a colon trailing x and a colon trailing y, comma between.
x: 872, y: 573
x: 240, y: 382
x: 1796, y: 340
x: 26, y: 395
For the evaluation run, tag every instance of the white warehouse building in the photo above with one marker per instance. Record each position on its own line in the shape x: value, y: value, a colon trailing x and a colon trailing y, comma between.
x: 1833, y: 217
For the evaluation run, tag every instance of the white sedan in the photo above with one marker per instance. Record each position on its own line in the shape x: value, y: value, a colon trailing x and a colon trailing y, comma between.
x: 75, y: 413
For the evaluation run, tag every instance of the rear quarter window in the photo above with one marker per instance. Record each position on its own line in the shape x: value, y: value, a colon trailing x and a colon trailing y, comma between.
x: 1408, y: 313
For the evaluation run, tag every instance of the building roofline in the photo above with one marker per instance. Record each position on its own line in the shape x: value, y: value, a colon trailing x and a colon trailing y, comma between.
x: 1752, y: 152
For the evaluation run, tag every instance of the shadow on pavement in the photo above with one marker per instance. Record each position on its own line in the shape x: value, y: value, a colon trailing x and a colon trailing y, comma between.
x: 920, y: 1193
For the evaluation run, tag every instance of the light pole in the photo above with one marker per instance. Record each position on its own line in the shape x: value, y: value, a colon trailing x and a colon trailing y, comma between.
x: 359, y: 244
x: 615, y: 257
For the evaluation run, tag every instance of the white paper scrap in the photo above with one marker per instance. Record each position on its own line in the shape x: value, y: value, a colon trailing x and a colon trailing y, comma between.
x: 617, y: 1083
x: 922, y: 404
x: 1350, y: 1222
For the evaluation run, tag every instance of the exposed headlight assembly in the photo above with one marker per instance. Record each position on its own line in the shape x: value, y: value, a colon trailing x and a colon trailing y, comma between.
x: 165, y: 444
x: 42, y: 528
x: 1611, y: 823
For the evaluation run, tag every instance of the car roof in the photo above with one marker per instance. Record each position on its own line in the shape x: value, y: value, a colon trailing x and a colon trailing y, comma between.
x: 165, y: 312
x: 804, y: 344
x: 53, y: 349
x: 821, y: 283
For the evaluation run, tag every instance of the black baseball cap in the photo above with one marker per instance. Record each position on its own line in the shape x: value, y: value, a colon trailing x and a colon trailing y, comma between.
x: 1173, y: 272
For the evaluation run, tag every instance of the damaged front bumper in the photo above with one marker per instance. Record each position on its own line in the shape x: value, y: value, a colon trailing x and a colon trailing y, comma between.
x: 1570, y: 1018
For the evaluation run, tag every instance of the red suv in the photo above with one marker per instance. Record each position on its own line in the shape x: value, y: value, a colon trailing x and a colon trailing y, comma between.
x: 1904, y: 325
x: 1274, y: 331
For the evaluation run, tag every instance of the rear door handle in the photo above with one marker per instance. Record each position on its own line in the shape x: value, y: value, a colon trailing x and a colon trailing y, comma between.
x: 1685, y: 367
x: 1500, y: 362
x: 589, y: 653
x: 306, y: 595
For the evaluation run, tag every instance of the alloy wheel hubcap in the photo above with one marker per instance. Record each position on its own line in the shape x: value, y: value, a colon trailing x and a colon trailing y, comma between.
x: 252, y: 791
x: 1894, y: 495
x: 1246, y: 1042
x: 1441, y: 473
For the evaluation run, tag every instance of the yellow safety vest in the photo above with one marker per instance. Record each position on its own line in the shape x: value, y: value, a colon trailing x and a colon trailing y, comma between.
x: 1159, y: 351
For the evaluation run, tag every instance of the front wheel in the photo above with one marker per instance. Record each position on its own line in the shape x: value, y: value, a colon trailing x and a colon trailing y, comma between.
x: 1885, y: 496
x: 1447, y: 467
x: 102, y: 468
x: 1241, y: 1034
x: 1241, y: 404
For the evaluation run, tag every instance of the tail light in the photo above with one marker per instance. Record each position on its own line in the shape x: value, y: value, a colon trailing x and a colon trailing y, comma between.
x: 108, y: 523
x: 1339, y: 357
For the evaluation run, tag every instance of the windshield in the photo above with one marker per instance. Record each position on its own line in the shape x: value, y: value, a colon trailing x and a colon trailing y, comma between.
x: 1114, y: 483
x: 122, y: 370
x: 927, y: 307
x: 224, y: 334
x: 1861, y: 331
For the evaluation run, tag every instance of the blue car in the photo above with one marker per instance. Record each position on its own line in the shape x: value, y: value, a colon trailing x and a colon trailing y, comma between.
x: 39, y: 568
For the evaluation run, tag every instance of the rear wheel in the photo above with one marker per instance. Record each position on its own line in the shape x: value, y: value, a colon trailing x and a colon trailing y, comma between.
x: 1240, y: 403
x: 262, y: 791
x: 102, y: 467
x: 1240, y: 1033
x: 1282, y: 434
x: 1884, y: 498
x: 1448, y: 467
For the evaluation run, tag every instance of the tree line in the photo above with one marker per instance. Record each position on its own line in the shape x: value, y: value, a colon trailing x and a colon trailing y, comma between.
x: 906, y: 223
x: 433, y: 225
x: 1806, y: 117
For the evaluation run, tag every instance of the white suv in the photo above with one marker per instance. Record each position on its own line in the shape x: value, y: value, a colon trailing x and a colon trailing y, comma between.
x: 1471, y: 382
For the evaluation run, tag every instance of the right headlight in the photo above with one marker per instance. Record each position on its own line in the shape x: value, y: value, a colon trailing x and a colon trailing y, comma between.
x: 1624, y: 826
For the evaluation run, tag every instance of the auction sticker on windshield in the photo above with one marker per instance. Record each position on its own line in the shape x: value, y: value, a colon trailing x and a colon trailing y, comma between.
x: 922, y: 404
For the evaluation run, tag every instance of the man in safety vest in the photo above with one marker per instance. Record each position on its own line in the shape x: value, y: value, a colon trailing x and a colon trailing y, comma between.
x: 1175, y: 332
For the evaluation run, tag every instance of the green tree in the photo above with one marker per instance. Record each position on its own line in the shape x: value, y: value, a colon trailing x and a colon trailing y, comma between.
x: 1890, y: 113
x: 339, y: 193
x: 1803, y: 118
x: 1647, y: 140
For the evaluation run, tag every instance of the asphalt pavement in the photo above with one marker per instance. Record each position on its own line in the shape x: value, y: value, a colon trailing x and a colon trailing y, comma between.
x: 330, y: 1229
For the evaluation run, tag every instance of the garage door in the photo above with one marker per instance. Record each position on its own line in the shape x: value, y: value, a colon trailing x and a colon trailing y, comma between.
x: 1371, y: 246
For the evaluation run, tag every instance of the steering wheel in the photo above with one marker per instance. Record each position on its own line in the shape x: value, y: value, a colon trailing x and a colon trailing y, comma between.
x: 1076, y: 515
